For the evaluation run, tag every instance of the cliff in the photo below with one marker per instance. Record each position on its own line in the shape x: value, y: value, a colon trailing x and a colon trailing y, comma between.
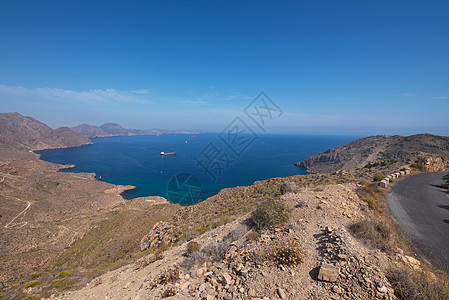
x: 376, y: 149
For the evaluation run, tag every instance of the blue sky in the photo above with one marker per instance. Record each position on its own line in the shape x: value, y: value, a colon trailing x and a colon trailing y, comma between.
x: 343, y: 67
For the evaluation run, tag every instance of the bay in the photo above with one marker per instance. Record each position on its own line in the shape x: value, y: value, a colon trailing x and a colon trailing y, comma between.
x: 203, y: 165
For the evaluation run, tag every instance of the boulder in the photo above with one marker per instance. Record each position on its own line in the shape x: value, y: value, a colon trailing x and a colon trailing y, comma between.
x: 328, y: 273
x: 288, y: 187
x: 402, y: 173
x: 383, y: 183
x: 407, y: 171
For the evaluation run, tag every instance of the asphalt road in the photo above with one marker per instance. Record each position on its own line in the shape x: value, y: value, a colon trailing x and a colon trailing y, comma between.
x: 421, y: 206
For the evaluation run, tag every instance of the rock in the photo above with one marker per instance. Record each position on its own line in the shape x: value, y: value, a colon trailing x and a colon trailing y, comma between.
x: 210, y: 297
x: 184, y: 285
x: 200, y: 272
x: 288, y: 187
x: 342, y: 256
x: 383, y: 289
x: 144, y: 243
x: 328, y: 273
x: 281, y: 293
x: 251, y: 292
x: 337, y: 289
x: 226, y: 278
x: 227, y: 297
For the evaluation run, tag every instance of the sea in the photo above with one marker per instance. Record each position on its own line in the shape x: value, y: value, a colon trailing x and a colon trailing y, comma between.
x: 202, y: 166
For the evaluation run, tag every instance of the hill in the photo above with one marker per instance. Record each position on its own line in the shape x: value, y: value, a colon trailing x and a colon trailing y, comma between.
x: 376, y: 149
x: 114, y: 129
x: 18, y: 131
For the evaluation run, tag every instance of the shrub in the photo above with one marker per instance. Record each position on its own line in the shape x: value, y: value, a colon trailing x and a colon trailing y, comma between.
x: 288, y: 253
x: 446, y: 180
x: 32, y: 283
x: 192, y: 247
x: 390, y: 180
x: 57, y: 282
x: 168, y: 276
x: 419, y: 165
x: 169, y: 292
x: 379, y: 177
x: 270, y: 213
x: 411, y: 284
x: 222, y: 221
x: 374, y: 233
x: 368, y: 200
x: 65, y: 273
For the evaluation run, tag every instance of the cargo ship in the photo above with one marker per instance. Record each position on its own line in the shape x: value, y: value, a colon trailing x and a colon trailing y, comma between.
x: 168, y: 153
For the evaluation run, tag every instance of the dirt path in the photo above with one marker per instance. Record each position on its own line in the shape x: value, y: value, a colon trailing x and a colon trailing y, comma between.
x: 23, y: 211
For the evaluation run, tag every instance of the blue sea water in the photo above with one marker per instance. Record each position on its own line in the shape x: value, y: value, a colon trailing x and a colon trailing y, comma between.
x: 203, y: 165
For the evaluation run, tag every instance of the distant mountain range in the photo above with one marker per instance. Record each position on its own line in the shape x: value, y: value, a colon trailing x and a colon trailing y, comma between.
x: 20, y: 132
x: 364, y: 151
x: 114, y: 129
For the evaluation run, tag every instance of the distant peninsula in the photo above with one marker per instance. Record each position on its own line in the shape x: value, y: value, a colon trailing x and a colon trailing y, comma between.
x: 114, y: 129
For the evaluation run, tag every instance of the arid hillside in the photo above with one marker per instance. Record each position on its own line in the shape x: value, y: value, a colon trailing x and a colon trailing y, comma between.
x: 26, y: 131
x: 377, y: 149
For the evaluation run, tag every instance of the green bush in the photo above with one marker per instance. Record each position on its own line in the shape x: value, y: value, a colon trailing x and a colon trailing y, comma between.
x: 65, y: 273
x: 446, y: 180
x: 419, y: 165
x: 368, y: 200
x: 32, y: 283
x: 270, y: 213
x: 379, y: 177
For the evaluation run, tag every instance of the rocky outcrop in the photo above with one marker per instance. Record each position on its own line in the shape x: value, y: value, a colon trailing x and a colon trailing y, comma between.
x: 160, y: 235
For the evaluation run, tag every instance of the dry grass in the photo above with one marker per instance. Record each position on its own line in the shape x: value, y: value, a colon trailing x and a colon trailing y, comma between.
x: 169, y: 292
x: 374, y: 233
x: 288, y: 253
x: 192, y: 246
x: 411, y: 284
x: 168, y: 276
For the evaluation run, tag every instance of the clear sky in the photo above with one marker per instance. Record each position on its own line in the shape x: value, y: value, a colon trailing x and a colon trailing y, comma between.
x: 351, y: 67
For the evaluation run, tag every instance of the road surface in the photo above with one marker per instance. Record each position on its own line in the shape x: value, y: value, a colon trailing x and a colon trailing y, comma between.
x: 421, y: 205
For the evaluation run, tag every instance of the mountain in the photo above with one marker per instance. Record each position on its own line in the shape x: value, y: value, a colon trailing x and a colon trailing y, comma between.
x: 90, y: 130
x: 114, y: 129
x: 18, y: 131
x: 364, y: 151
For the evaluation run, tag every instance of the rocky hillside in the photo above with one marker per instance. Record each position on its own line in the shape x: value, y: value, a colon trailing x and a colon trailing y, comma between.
x: 380, y: 148
x: 114, y: 129
x: 18, y: 131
